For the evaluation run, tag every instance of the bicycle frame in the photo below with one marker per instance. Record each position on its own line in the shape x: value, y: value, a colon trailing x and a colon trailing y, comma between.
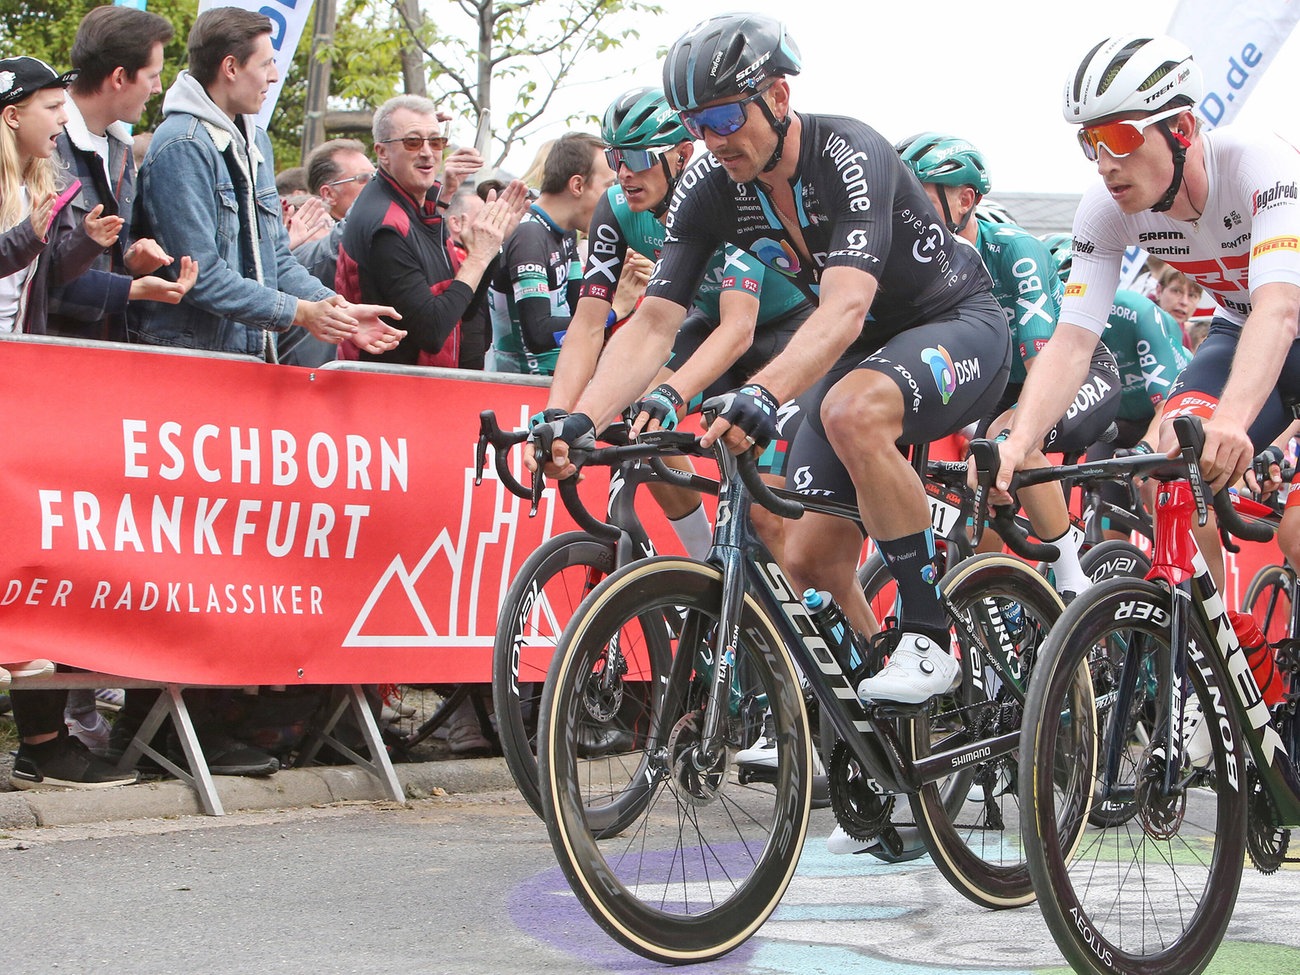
x: 871, y: 731
x: 1178, y: 562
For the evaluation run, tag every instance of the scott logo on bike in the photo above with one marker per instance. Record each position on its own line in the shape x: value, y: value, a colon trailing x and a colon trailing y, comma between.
x: 807, y: 630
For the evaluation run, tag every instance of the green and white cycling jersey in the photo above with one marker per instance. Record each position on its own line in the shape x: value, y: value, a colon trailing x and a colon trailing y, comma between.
x: 615, y: 227
x: 532, y: 295
x: 1148, y: 350
x: 1026, y: 286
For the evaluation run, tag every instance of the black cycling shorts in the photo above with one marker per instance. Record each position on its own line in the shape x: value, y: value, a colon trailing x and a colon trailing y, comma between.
x: 770, y: 338
x: 950, y: 372
x: 1199, y: 386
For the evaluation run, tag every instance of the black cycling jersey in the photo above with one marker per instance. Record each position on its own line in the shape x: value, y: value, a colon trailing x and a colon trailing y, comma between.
x: 858, y: 206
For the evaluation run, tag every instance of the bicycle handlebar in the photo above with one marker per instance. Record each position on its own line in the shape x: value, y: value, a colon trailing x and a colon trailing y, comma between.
x: 1002, y: 517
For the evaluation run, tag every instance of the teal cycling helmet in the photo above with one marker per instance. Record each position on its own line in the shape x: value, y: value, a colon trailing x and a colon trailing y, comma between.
x: 1061, y: 247
x: 945, y: 159
x: 642, y: 119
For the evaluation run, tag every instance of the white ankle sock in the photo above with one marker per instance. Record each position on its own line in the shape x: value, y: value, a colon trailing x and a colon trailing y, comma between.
x: 694, y: 532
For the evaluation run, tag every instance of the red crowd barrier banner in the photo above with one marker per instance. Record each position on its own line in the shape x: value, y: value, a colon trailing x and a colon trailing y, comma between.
x: 211, y: 520
x: 205, y: 520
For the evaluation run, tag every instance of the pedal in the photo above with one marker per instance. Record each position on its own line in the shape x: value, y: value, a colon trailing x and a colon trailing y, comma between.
x: 891, y: 841
x: 890, y: 710
x: 746, y: 774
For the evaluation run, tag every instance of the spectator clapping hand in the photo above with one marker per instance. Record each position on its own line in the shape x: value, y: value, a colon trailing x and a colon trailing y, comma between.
x: 150, y: 287
x: 373, y: 334
x: 145, y: 256
x: 496, y: 220
x: 307, y: 221
x: 42, y: 213
x: 101, y: 229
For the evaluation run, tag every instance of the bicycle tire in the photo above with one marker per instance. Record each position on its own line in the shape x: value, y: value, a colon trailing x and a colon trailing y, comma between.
x: 1153, y: 895
x: 1114, y: 557
x: 1106, y: 560
x: 974, y: 842
x: 538, y: 605
x: 704, y: 861
x: 1270, y: 599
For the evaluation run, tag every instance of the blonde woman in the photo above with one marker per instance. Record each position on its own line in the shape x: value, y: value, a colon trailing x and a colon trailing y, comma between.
x: 39, y: 244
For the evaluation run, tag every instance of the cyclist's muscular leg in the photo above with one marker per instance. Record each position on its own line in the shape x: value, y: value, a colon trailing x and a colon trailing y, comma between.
x: 821, y: 552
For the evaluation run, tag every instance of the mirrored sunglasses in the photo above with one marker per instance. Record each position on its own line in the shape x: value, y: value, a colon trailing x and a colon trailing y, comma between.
x: 1120, y: 138
x: 636, y: 160
x: 721, y: 119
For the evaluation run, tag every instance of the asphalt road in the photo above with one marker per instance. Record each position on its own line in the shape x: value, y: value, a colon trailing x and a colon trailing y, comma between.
x: 468, y: 885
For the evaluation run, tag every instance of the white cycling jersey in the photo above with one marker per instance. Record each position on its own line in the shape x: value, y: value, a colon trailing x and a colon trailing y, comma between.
x: 1248, y: 235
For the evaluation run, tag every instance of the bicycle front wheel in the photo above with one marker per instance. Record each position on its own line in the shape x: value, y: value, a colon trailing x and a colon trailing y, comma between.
x: 971, y: 818
x: 1154, y: 892
x: 700, y: 860
x: 538, y: 605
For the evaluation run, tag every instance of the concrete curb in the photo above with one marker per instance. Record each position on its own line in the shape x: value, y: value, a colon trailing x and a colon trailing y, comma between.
x: 290, y: 788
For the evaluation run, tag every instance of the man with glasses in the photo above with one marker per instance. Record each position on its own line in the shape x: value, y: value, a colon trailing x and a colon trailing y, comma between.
x: 1220, y: 206
x: 336, y: 171
x: 535, y: 287
x: 906, y: 344
x: 396, y: 245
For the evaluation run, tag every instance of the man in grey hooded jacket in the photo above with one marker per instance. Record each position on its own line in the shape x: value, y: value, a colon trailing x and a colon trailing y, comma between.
x: 207, y: 189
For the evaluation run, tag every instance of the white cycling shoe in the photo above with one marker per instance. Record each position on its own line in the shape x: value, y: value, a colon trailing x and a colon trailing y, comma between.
x: 917, y: 670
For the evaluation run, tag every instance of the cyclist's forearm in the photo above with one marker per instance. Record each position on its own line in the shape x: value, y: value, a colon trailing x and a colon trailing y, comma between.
x: 1266, y: 338
x: 631, y: 359
x: 579, y: 353
x: 716, y: 355
x: 1058, y: 372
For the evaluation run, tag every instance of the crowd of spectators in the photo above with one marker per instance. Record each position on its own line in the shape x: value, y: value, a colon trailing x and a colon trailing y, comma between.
x: 112, y: 236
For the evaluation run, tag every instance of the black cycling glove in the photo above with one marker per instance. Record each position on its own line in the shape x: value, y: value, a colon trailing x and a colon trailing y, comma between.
x: 662, y: 403
x: 575, y: 429
x: 752, y: 408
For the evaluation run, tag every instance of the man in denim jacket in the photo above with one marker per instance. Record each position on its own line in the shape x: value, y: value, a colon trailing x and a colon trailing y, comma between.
x: 207, y: 189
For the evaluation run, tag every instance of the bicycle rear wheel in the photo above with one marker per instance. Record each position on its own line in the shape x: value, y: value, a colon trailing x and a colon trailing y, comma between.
x: 1153, y: 893
x: 975, y: 841
x: 1269, y: 599
x: 538, y: 605
x: 701, y: 861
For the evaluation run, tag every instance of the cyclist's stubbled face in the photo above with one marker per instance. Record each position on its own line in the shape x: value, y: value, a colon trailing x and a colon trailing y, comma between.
x: 745, y: 152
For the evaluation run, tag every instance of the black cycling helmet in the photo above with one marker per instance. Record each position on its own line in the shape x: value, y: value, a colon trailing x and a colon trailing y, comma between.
x: 728, y: 56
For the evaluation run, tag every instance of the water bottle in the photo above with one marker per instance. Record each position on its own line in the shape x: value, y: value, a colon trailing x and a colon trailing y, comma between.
x: 835, y: 629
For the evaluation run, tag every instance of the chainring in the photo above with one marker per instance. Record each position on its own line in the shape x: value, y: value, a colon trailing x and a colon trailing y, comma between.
x: 1266, y: 839
x: 861, y: 811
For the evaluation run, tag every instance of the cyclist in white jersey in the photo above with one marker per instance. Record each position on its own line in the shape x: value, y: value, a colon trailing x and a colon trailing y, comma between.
x: 1222, y: 207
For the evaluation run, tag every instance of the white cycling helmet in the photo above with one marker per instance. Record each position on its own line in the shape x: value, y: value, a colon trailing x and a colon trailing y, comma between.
x: 1132, y: 73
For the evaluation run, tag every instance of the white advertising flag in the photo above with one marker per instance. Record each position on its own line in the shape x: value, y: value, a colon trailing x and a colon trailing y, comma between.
x: 288, y: 18
x: 1233, y: 43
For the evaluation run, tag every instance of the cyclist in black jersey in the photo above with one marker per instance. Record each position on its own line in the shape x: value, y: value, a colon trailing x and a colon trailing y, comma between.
x: 907, y: 343
x: 534, y: 289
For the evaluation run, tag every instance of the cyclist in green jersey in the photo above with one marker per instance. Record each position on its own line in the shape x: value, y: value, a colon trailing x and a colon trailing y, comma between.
x: 740, y: 317
x: 1146, y: 342
x: 1025, y: 285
